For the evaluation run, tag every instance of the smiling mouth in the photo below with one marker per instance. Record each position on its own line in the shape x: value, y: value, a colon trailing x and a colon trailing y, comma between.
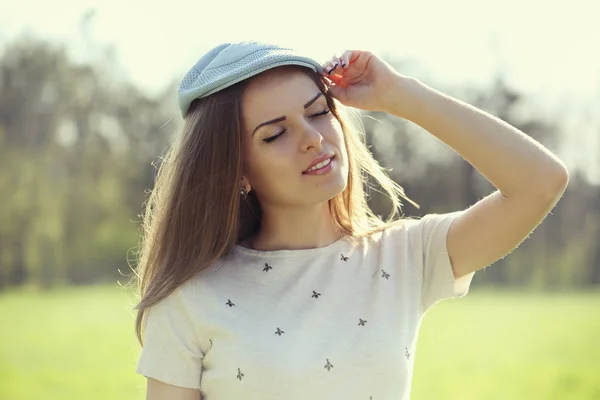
x: 320, y: 165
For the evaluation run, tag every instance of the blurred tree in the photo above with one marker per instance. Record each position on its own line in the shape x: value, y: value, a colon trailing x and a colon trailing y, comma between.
x: 72, y: 151
x: 78, y: 143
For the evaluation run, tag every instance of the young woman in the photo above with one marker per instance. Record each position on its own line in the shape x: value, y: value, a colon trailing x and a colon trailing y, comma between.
x: 263, y: 273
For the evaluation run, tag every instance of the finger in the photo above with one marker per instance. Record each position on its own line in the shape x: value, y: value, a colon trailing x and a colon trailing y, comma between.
x: 331, y: 65
x: 338, y: 92
x: 338, y: 64
x: 327, y: 67
x: 360, y: 58
x: 335, y: 78
x: 345, y: 59
x: 342, y: 62
x: 335, y: 84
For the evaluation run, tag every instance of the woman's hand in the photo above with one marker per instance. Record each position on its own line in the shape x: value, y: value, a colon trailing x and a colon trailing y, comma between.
x: 362, y: 80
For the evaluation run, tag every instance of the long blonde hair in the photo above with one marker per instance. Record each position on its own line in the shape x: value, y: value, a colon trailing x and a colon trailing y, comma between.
x: 194, y: 215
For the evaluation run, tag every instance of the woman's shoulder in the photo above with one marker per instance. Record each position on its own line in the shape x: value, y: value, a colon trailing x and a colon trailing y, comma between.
x: 408, y: 230
x: 393, y: 227
x: 386, y: 231
x: 427, y: 220
x: 418, y: 231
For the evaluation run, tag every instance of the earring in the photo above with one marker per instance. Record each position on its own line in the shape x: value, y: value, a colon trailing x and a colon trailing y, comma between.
x: 244, y: 192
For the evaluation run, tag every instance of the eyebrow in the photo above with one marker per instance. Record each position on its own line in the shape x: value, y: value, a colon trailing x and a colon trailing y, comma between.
x: 276, y: 120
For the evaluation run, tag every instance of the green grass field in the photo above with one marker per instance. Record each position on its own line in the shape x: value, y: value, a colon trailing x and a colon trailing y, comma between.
x: 79, y: 344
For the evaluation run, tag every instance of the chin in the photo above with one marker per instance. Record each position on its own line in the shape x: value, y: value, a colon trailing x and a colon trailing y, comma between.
x: 328, y: 186
x: 335, y: 187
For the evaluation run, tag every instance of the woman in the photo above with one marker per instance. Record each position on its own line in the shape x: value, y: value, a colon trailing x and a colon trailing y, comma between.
x: 263, y: 273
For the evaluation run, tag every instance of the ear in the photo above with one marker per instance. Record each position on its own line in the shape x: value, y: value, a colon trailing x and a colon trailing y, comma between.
x: 245, y: 183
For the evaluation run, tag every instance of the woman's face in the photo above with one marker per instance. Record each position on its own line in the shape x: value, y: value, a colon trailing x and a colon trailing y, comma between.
x: 287, y: 126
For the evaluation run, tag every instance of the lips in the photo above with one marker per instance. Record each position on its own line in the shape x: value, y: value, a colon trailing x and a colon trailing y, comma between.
x: 317, y: 160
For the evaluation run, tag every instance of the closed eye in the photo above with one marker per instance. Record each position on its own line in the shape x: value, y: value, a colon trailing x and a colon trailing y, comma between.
x: 321, y: 113
x: 270, y: 139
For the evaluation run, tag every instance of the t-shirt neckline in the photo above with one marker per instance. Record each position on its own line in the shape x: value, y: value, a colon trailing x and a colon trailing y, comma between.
x: 291, y: 252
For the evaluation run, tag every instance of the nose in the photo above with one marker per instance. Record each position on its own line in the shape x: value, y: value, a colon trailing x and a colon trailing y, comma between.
x: 311, y: 137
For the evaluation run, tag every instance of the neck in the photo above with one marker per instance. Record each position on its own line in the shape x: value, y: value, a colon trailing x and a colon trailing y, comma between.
x: 295, y: 228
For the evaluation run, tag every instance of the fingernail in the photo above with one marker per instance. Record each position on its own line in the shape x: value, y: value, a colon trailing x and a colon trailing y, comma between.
x: 343, y: 63
x: 332, y: 68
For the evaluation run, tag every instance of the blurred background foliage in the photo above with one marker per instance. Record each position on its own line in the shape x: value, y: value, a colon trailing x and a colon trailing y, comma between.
x: 79, y: 142
x: 78, y: 147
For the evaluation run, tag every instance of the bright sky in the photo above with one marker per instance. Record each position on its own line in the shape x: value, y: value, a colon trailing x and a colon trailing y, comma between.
x: 550, y: 50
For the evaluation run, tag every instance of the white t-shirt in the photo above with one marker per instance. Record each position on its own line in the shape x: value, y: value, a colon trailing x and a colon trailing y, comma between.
x: 335, y: 322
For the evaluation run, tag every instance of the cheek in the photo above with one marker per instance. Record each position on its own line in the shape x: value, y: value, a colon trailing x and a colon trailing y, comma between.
x: 334, y: 134
x: 272, y: 168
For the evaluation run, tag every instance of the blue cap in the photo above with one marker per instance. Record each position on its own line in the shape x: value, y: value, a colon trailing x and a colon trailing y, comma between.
x: 230, y: 63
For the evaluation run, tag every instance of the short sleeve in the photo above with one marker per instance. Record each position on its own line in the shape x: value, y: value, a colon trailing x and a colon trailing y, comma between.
x: 171, y: 351
x: 436, y: 270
